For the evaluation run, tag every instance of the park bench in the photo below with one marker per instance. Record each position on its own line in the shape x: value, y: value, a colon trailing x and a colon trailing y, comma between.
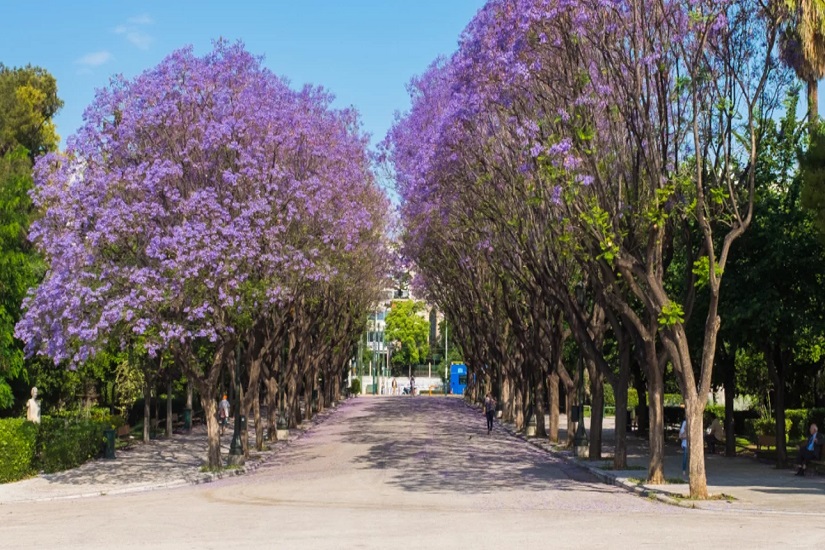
x: 124, y: 432
x: 765, y: 441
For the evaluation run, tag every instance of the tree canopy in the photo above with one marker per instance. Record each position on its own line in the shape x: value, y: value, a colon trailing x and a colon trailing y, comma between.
x: 408, y: 333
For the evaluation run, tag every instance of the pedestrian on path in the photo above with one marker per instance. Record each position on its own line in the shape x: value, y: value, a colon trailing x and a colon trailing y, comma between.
x: 223, y: 413
x: 489, y: 410
x: 394, y: 386
x: 683, y: 439
x: 412, y: 385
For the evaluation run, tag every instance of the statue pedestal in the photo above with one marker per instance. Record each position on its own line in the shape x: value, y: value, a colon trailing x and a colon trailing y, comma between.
x: 582, y: 451
x: 530, y: 430
x: 282, y: 435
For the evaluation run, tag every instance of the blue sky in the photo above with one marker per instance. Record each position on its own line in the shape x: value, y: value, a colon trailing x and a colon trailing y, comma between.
x: 364, y: 51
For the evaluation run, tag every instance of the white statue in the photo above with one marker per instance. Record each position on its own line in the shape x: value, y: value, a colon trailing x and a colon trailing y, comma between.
x: 33, y: 408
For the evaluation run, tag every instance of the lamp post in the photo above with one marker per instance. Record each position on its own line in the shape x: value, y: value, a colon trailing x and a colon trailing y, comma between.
x: 580, y: 443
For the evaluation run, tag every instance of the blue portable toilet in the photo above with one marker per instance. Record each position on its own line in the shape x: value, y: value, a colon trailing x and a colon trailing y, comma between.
x: 458, y: 378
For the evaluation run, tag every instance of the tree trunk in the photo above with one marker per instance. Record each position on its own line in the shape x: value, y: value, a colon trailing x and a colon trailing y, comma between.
x: 730, y: 395
x: 169, y: 409
x: 777, y: 373
x: 813, y: 103
x: 518, y: 406
x: 259, y: 425
x: 553, y: 405
x: 539, y: 391
x: 210, y: 412
x: 596, y: 410
x: 656, y: 426
x: 506, y: 399
x: 272, y: 407
x: 694, y: 410
x: 620, y: 436
x: 571, y: 426
x: 147, y: 408
x: 640, y: 385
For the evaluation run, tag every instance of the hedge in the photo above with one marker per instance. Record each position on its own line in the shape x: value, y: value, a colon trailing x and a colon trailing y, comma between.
x: 57, y: 443
x: 18, y: 439
x: 798, y: 429
x: 65, y: 443
x: 355, y: 388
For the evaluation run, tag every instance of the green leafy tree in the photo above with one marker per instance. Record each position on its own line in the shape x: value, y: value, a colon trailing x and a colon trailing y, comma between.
x: 776, y: 294
x: 28, y: 101
x: 802, y: 43
x: 406, y: 326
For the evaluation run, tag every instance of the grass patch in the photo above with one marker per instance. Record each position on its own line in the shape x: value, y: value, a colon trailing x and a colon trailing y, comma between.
x: 206, y: 469
x: 668, y: 481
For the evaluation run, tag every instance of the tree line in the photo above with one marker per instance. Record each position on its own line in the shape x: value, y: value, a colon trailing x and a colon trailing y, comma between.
x: 206, y: 221
x: 583, y: 171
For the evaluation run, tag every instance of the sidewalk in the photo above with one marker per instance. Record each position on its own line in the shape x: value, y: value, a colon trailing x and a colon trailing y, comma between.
x: 754, y: 486
x: 159, y: 464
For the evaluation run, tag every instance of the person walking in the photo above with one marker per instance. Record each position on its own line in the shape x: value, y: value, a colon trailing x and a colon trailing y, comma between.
x: 412, y: 384
x: 489, y: 410
x: 223, y: 413
x: 394, y: 386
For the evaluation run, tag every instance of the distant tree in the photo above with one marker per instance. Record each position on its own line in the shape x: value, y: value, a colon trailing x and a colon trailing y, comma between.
x: 28, y: 101
x: 405, y: 325
x: 802, y: 44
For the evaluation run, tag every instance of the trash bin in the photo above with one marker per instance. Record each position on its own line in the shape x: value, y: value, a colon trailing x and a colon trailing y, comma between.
x: 187, y: 419
x: 109, y: 434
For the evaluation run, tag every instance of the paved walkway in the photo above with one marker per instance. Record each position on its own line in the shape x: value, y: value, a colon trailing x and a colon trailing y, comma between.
x: 396, y: 472
x: 756, y: 486
x: 160, y: 464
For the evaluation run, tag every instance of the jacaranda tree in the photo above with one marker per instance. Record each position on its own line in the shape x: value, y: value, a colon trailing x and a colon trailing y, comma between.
x: 606, y: 142
x: 186, y: 208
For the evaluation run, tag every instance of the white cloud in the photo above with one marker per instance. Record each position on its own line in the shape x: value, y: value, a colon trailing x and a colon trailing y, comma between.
x: 133, y: 31
x: 94, y: 59
x: 144, y: 19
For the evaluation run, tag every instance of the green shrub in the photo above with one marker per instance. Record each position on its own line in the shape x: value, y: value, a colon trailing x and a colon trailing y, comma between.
x: 765, y: 426
x: 673, y: 399
x: 632, y: 398
x: 355, y: 388
x: 798, y: 419
x: 610, y: 397
x: 718, y: 410
x: 68, y: 442
x: 18, y: 438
